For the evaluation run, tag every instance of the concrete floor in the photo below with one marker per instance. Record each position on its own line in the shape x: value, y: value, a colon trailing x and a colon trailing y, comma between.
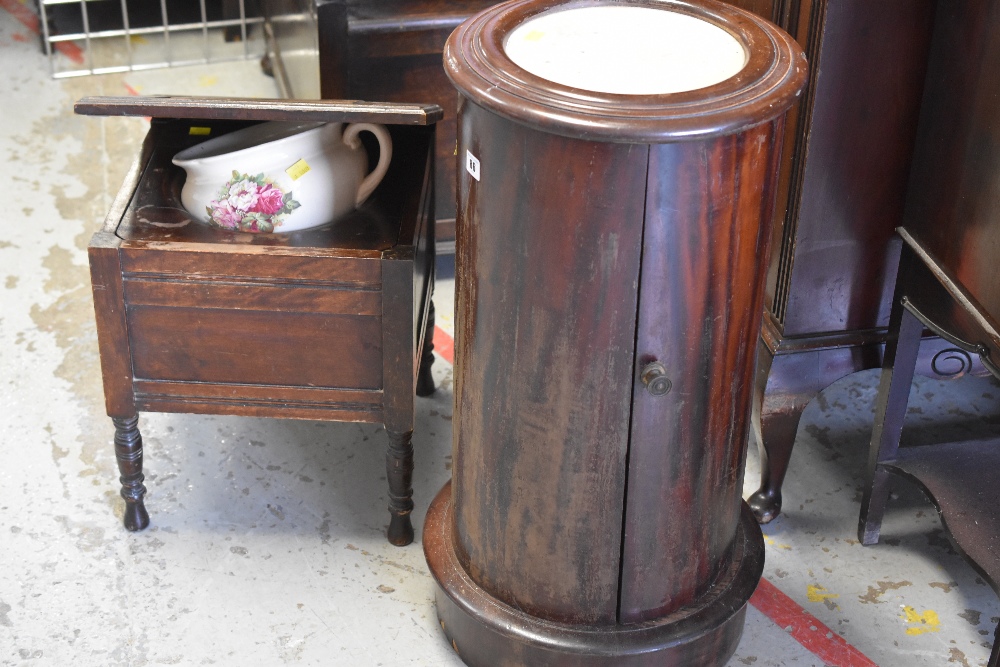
x: 266, y: 544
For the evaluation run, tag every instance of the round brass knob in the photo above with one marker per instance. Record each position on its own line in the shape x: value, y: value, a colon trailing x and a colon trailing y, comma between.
x: 654, y: 377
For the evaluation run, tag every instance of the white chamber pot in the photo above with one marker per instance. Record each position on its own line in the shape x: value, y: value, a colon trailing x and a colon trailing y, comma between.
x: 281, y: 176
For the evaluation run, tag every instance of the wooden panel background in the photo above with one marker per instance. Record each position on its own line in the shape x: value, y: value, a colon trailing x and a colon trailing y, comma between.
x: 954, y: 199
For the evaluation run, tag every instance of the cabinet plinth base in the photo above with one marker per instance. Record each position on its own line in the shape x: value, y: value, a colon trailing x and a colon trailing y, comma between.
x: 487, y: 632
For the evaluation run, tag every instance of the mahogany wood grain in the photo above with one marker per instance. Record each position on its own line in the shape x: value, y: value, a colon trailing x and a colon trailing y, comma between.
x: 269, y: 298
x: 545, y: 332
x: 486, y: 631
x: 862, y: 128
x: 184, y: 344
x: 772, y: 79
x: 260, y: 400
x: 186, y: 260
x: 699, y: 315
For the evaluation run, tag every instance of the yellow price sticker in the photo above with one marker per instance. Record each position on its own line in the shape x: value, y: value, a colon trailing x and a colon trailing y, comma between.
x: 199, y: 131
x: 298, y: 170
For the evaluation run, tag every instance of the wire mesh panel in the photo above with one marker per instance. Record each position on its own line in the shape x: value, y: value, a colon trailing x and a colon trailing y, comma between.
x: 102, y: 36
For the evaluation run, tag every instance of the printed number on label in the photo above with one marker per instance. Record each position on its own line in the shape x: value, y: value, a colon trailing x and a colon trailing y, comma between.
x: 472, y: 164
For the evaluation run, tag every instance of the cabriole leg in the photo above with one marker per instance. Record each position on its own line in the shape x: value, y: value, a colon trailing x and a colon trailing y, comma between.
x: 775, y: 435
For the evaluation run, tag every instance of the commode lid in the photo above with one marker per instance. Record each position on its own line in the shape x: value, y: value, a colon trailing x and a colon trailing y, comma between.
x: 625, y: 50
x: 630, y: 71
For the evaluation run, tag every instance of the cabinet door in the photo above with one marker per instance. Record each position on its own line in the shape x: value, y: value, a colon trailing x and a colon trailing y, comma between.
x: 700, y: 299
x: 547, y: 269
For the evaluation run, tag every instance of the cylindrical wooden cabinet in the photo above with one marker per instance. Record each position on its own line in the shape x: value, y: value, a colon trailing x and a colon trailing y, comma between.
x: 617, y: 169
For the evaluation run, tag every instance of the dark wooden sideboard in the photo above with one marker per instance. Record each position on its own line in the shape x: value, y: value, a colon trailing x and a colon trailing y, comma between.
x: 845, y: 170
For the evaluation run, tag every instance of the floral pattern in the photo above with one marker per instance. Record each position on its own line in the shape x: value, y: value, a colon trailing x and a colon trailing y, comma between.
x: 250, y: 204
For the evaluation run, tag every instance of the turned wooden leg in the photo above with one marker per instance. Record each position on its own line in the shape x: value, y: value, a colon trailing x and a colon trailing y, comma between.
x: 425, y: 381
x: 890, y: 409
x: 399, y: 467
x: 128, y: 451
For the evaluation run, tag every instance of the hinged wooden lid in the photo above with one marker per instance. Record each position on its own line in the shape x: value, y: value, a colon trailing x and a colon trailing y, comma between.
x: 232, y: 108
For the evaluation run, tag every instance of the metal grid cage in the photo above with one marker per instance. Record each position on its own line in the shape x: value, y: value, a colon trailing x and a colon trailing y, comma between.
x: 84, y: 37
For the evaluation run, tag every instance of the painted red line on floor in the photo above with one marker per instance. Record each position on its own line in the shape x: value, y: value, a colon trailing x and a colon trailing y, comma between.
x: 30, y: 21
x: 806, y: 629
x: 131, y: 91
x: 444, y: 345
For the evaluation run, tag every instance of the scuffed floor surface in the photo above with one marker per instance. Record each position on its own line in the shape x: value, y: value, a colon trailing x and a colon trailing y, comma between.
x: 266, y: 543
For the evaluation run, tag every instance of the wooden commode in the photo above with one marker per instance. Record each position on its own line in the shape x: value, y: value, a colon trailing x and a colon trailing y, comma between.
x: 332, y: 323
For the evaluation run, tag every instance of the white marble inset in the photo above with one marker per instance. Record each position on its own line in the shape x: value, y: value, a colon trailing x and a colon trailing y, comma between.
x: 625, y: 50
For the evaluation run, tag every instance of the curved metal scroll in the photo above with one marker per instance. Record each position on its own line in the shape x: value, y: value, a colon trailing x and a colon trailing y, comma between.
x: 970, y: 348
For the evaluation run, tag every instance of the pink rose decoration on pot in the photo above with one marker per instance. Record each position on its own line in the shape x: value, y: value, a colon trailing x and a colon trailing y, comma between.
x: 250, y: 204
x: 270, y: 200
x: 226, y: 216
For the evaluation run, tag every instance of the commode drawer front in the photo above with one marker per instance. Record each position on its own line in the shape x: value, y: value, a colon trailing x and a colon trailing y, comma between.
x: 255, y: 347
x: 284, y: 325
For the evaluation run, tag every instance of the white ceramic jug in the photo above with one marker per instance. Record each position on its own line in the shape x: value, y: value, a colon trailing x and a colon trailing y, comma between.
x: 280, y: 176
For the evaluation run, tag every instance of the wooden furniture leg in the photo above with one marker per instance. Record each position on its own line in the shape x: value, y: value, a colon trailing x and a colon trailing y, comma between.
x: 786, y: 382
x: 425, y: 380
x: 399, y: 469
x: 775, y: 433
x: 890, y: 409
x: 128, y: 451
x: 775, y: 421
